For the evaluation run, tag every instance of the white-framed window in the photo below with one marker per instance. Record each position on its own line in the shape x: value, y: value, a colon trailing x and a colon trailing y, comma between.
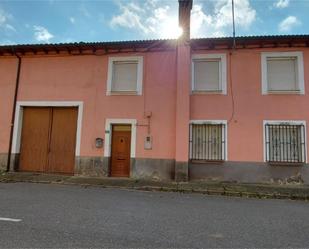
x: 209, y: 73
x: 285, y: 141
x: 208, y: 140
x: 282, y: 72
x: 125, y: 75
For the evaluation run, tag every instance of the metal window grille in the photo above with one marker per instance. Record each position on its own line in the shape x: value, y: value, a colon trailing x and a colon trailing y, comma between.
x: 207, y: 142
x: 285, y: 143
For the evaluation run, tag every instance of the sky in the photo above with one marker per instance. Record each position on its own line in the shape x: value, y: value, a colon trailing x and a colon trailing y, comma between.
x: 55, y: 21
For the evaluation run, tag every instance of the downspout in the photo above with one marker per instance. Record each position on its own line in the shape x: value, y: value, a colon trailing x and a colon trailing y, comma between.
x: 14, y: 110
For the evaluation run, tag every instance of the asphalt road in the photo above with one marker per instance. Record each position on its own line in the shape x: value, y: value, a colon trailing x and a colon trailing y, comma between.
x: 73, y: 216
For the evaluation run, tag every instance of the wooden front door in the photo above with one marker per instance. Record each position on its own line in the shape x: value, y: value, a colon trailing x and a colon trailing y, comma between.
x: 121, y: 148
x: 48, y: 139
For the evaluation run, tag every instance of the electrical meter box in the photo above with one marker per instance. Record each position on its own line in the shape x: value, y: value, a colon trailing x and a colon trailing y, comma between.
x: 148, y: 142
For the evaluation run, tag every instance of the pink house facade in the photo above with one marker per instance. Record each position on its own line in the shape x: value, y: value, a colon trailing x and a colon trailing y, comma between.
x: 186, y: 109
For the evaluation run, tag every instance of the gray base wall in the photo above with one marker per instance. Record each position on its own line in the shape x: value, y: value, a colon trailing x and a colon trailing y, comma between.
x: 3, y: 161
x: 168, y: 169
x: 13, y: 163
x: 91, y: 166
x: 155, y: 169
x: 181, y: 171
x: 140, y: 168
x: 249, y: 172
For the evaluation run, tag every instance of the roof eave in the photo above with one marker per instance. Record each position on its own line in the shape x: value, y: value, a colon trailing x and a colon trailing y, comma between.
x: 157, y: 45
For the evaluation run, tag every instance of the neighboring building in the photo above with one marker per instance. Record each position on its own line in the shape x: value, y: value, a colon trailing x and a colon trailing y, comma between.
x: 160, y: 109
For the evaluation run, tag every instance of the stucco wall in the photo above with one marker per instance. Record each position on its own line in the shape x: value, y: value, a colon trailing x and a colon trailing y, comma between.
x: 245, y: 131
x: 8, y: 69
x: 83, y: 78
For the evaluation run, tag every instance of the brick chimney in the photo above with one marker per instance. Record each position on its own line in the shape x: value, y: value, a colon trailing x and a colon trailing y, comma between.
x: 184, y: 14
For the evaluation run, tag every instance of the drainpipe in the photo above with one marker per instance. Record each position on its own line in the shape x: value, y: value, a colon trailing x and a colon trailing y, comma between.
x: 14, y: 110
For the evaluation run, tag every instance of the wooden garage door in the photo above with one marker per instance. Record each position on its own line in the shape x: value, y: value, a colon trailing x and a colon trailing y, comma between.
x: 48, y: 139
x: 34, y: 139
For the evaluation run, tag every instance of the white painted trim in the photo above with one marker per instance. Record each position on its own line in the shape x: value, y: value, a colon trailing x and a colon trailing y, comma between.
x: 290, y: 122
x: 19, y: 118
x: 223, y: 71
x: 201, y: 121
x: 108, y: 134
x: 300, y: 71
x: 139, y: 85
x: 10, y: 219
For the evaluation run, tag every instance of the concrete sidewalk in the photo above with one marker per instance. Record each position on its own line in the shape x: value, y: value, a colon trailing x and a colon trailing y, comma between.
x: 277, y: 191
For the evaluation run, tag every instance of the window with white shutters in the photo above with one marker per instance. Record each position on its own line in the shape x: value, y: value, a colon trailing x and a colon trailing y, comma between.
x: 125, y: 75
x: 282, y: 73
x: 209, y: 73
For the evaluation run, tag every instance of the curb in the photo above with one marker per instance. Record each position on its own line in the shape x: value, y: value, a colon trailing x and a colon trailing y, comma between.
x: 259, y: 191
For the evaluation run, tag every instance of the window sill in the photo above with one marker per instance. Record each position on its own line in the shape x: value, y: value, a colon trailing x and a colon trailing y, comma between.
x: 202, y: 161
x: 208, y: 92
x: 121, y: 93
x: 295, y: 164
x: 296, y: 92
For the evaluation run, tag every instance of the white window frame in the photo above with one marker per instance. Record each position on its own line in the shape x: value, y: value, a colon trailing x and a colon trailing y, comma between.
x: 108, y: 135
x: 283, y: 122
x: 19, y: 119
x: 222, y: 70
x: 300, y: 71
x: 214, y: 122
x: 139, y: 83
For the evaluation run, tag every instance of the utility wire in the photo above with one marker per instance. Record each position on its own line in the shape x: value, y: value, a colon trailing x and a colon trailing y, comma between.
x: 230, y: 65
x: 233, y: 16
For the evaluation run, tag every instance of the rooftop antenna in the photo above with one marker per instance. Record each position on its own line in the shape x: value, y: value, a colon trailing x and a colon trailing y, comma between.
x: 233, y: 16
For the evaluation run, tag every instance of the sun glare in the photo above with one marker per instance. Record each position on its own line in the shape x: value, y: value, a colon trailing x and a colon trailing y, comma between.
x: 171, y: 29
x: 178, y: 32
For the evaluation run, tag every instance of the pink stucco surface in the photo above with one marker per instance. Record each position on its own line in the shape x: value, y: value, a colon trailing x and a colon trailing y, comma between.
x: 183, y: 103
x: 8, y: 69
x: 245, y: 130
x: 83, y: 78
